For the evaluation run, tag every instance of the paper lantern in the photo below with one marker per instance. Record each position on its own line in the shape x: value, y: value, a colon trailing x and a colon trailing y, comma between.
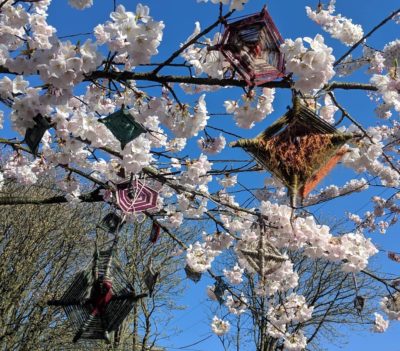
x: 123, y: 126
x: 136, y: 197
x: 300, y: 149
x: 251, y: 45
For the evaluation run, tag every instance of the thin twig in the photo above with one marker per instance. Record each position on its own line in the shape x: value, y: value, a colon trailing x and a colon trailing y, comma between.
x: 387, y: 19
x: 190, y: 42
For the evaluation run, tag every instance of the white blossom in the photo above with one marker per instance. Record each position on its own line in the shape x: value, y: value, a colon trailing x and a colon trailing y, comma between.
x: 81, y: 4
x: 219, y: 326
x: 295, y: 342
x: 235, y: 276
x: 212, y: 145
x: 380, y: 324
x: 338, y: 26
x: 199, y: 257
x: 313, y: 66
x: 254, y: 109
x: 236, y: 305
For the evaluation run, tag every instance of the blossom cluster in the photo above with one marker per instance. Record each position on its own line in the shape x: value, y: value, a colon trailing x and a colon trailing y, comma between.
x: 338, y: 26
x: 293, y: 309
x: 135, y: 36
x: 234, y: 4
x: 219, y: 326
x: 313, y: 66
x: 254, y: 108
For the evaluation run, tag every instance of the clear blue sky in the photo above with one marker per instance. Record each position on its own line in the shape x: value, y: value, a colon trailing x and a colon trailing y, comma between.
x: 179, y: 17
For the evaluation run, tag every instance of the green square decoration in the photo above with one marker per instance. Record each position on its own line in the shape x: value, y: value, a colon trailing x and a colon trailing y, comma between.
x: 123, y: 126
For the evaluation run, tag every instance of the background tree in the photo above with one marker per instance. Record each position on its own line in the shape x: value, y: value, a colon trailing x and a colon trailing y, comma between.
x: 340, y: 300
x: 42, y: 248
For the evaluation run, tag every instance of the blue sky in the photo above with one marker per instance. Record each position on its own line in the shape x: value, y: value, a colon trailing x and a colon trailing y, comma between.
x: 179, y: 17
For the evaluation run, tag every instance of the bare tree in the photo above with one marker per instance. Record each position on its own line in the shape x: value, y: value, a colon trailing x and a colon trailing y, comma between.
x: 339, y: 299
x: 42, y: 248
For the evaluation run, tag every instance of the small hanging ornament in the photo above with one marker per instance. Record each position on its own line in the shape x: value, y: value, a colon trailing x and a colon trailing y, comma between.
x: 251, y: 45
x: 299, y: 148
x: 359, y: 303
x: 219, y: 289
x: 394, y: 256
x: 136, y: 197
x: 123, y: 126
x: 34, y: 135
x: 99, y: 298
x: 155, y: 232
x: 150, y: 278
x: 111, y: 223
x: 192, y: 275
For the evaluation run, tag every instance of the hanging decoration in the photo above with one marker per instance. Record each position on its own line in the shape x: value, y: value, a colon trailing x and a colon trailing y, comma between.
x: 299, y: 148
x: 359, y: 303
x: 150, y: 278
x: 251, y: 45
x: 394, y: 256
x: 111, y: 223
x: 192, y: 275
x: 99, y: 298
x: 136, y: 197
x: 34, y: 135
x: 155, y: 232
x: 219, y: 289
x: 123, y: 126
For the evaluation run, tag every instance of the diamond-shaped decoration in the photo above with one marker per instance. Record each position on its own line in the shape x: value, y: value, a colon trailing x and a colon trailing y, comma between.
x: 251, y: 45
x: 34, y: 135
x: 136, y: 197
x: 123, y: 126
x: 299, y: 148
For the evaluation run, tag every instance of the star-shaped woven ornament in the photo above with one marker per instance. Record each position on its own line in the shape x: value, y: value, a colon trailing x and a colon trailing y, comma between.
x: 98, y: 299
x: 123, y: 126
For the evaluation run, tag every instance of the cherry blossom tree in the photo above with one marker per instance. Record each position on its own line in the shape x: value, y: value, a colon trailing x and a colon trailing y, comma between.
x: 62, y: 98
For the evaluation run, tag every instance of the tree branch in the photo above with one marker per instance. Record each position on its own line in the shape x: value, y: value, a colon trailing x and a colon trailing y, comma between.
x: 192, y: 41
x: 365, y: 37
